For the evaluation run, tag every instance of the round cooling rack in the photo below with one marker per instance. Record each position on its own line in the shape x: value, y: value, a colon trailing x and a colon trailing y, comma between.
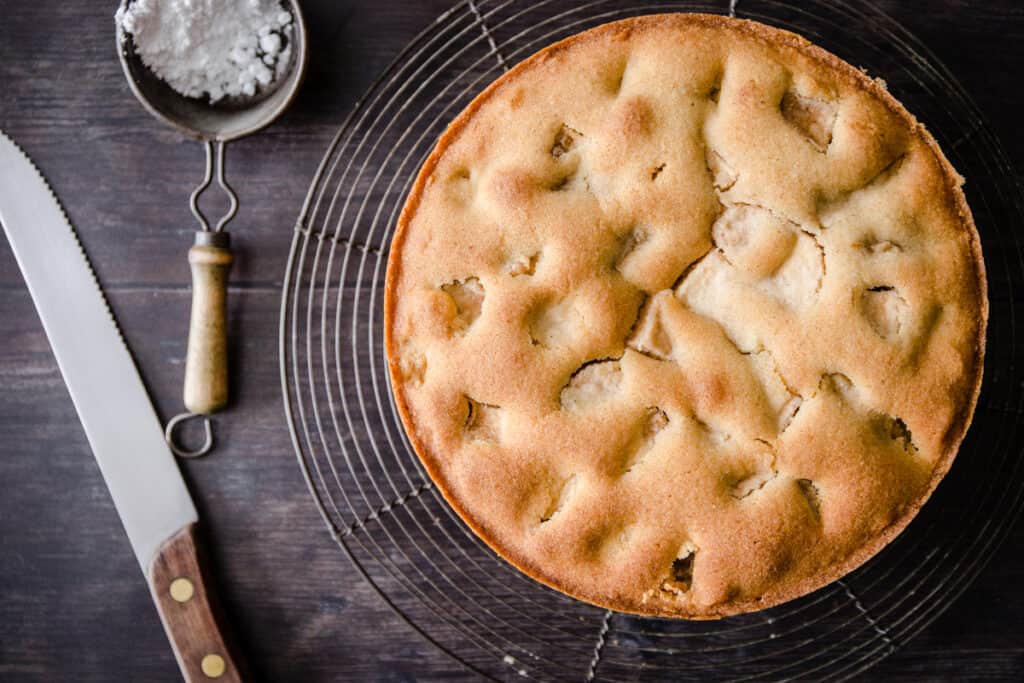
x: 382, y: 508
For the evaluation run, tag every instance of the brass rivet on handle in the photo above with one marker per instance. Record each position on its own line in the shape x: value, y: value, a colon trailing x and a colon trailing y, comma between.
x: 182, y: 590
x: 213, y: 666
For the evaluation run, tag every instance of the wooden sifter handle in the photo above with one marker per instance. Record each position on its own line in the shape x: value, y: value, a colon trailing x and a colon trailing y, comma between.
x: 206, y: 364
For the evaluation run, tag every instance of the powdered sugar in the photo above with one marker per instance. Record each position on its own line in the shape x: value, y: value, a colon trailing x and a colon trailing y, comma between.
x: 211, y: 48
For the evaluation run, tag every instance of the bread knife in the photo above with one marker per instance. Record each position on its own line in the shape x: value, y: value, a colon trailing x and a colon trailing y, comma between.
x: 120, y: 423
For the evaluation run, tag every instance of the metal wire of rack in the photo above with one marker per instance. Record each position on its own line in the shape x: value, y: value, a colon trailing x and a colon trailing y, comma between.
x: 381, y: 507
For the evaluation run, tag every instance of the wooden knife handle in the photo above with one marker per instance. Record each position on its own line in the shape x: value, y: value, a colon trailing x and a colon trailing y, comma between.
x: 206, y: 362
x: 189, y: 614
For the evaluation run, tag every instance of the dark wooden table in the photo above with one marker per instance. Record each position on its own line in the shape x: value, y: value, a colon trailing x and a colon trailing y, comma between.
x: 73, y: 605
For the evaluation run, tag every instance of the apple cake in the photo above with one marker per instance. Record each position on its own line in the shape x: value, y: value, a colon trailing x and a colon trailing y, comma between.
x: 685, y: 316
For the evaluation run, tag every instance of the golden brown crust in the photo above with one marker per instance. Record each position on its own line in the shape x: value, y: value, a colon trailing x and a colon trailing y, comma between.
x: 588, y: 555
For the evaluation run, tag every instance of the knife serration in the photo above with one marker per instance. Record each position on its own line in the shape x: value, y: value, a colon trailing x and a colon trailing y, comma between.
x: 119, y: 420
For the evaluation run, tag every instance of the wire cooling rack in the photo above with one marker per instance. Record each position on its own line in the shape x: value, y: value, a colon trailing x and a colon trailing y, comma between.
x: 383, y: 510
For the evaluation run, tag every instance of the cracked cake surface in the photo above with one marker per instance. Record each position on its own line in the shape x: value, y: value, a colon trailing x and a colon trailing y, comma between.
x: 685, y: 316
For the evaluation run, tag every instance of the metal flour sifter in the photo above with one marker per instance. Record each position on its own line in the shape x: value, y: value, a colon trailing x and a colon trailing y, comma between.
x: 210, y: 258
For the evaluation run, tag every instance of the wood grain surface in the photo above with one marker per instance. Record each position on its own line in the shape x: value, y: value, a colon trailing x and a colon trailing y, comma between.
x: 73, y: 604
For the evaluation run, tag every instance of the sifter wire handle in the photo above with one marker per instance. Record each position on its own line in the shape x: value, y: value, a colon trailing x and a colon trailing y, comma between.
x: 210, y: 259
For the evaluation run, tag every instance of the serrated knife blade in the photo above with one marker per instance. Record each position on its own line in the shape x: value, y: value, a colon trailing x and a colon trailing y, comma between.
x: 123, y: 431
x: 105, y: 386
